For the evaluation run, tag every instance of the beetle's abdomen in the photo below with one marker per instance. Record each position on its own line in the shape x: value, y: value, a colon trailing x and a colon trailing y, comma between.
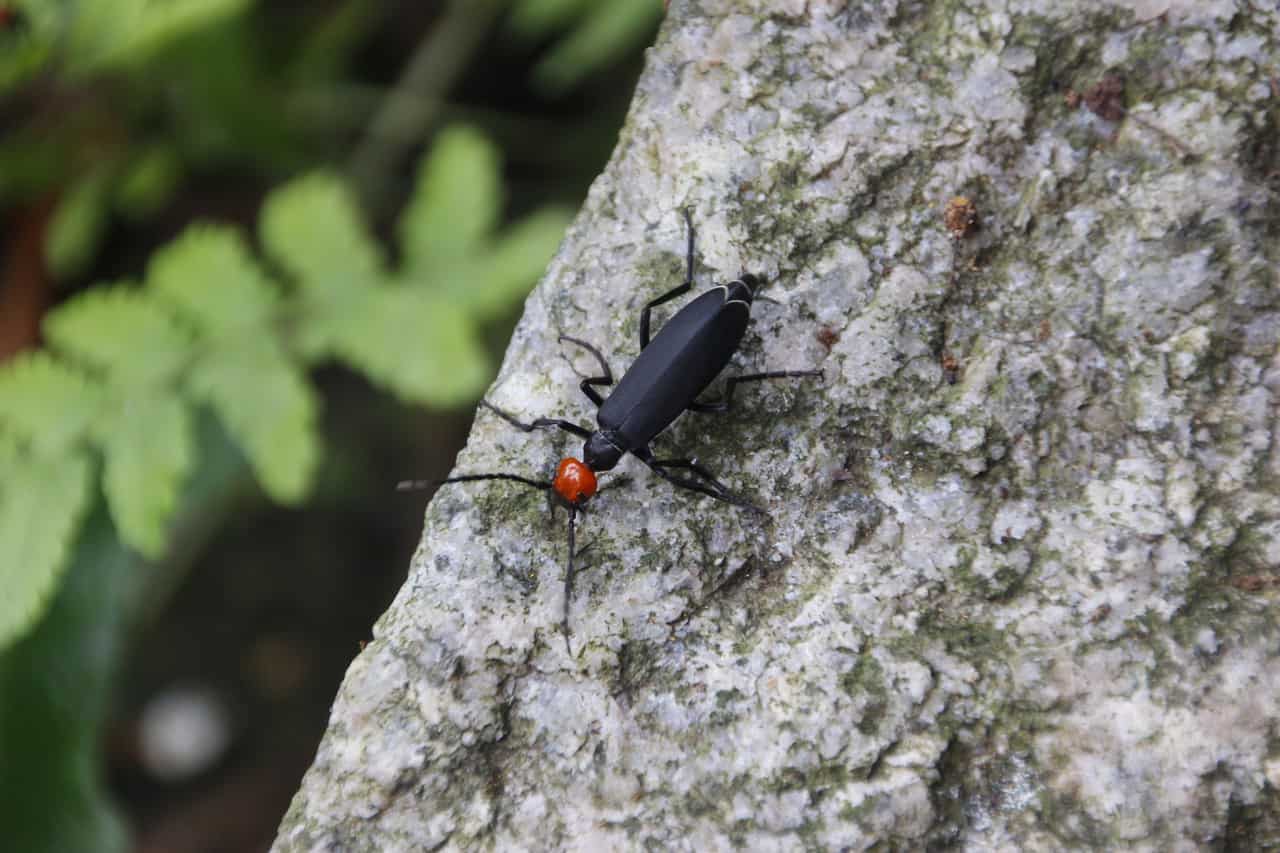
x: 679, y: 363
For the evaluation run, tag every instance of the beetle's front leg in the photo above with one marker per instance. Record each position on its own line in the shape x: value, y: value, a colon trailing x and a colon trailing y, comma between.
x: 589, y: 383
x: 539, y: 423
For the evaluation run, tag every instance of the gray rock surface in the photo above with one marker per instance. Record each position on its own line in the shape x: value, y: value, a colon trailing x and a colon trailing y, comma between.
x: 1019, y: 585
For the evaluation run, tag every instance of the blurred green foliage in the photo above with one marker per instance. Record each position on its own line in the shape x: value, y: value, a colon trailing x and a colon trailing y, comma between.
x: 124, y: 97
x: 127, y: 364
x: 150, y: 396
x: 54, y: 690
x: 191, y: 85
x: 593, y: 35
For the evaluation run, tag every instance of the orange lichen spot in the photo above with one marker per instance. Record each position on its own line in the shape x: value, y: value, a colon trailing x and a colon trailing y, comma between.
x: 960, y: 217
x: 1254, y: 583
x: 950, y: 368
x: 1106, y: 98
x: 574, y: 481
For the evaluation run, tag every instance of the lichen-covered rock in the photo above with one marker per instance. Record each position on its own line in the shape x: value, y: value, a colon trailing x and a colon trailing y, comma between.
x: 1018, y: 588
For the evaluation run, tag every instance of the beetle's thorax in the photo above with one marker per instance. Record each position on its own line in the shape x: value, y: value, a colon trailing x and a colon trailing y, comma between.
x: 601, y: 451
x: 742, y: 289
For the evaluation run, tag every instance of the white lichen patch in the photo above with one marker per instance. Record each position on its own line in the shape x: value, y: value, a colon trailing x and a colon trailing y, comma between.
x: 1131, y: 499
x: 1125, y: 753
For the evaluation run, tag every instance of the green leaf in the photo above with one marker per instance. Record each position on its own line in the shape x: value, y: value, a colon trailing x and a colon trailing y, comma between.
x: 507, y: 272
x: 121, y: 330
x: 77, y: 225
x: 42, y: 500
x: 415, y: 344
x: 26, y: 41
x: 10, y: 448
x: 34, y: 161
x: 45, y: 402
x: 149, y: 181
x: 313, y: 229
x: 456, y: 202
x: 535, y: 19
x: 209, y: 276
x: 54, y: 694
x: 148, y: 451
x: 609, y: 31
x: 116, y: 33
x: 267, y: 406
x: 231, y: 107
x: 330, y: 43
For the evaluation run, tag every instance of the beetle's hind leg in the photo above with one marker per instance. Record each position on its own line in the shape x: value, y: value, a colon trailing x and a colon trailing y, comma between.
x: 678, y: 290
x: 589, y: 383
x: 706, y: 484
x: 722, y: 405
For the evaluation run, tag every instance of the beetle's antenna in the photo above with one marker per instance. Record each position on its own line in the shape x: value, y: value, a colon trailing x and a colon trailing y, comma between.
x: 568, y: 579
x: 416, y: 485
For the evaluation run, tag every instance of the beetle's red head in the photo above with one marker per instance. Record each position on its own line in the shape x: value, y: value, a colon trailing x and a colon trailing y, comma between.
x: 575, y: 481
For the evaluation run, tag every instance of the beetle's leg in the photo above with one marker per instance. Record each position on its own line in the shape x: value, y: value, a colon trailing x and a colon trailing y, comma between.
x: 679, y: 290
x: 708, y: 485
x: 688, y: 254
x: 696, y: 467
x: 722, y: 405
x: 654, y: 303
x: 567, y: 426
x: 604, y: 380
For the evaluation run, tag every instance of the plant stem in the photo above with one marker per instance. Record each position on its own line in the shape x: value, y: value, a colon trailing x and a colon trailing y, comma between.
x: 409, y: 110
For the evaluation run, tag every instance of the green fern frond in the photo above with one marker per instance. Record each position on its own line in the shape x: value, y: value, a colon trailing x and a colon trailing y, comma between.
x: 148, y: 450
x: 268, y: 407
x: 148, y: 180
x: 313, y: 229
x: 123, y: 331
x: 598, y: 33
x: 419, y: 346
x: 46, y: 403
x: 42, y: 502
x: 10, y: 448
x: 77, y: 224
x: 446, y: 232
x: 211, y: 327
x: 456, y: 203
x: 117, y: 33
x: 24, y: 48
x: 535, y: 19
x: 211, y: 279
x: 501, y: 277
